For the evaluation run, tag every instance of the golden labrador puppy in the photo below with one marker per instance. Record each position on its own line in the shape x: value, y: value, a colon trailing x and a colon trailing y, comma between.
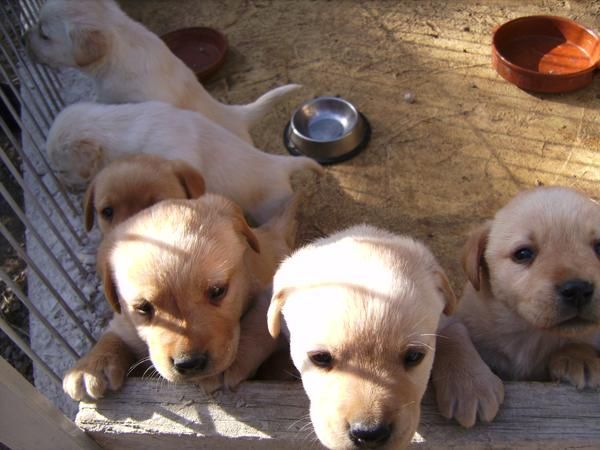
x: 128, y: 185
x: 362, y: 308
x: 129, y: 63
x: 186, y: 279
x: 87, y: 136
x: 532, y: 306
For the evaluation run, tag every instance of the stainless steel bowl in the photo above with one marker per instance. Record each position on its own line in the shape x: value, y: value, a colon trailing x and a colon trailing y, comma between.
x: 327, y: 129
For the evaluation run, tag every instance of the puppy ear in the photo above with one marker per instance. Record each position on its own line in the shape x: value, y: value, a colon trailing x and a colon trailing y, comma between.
x: 274, y: 313
x: 105, y: 270
x: 190, y: 179
x: 89, y: 45
x: 89, y: 207
x: 242, y: 227
x: 473, y: 251
x: 444, y: 286
x: 88, y: 156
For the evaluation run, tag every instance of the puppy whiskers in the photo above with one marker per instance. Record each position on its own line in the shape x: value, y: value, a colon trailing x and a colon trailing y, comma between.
x: 137, y: 364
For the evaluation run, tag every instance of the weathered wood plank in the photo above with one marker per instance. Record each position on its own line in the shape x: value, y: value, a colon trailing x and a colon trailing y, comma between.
x: 29, y: 421
x: 147, y: 415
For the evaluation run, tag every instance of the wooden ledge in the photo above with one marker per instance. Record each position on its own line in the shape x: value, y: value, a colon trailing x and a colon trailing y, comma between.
x: 260, y: 415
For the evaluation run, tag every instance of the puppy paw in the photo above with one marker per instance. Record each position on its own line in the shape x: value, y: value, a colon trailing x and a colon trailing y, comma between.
x: 469, y: 395
x: 211, y: 384
x: 577, y: 364
x: 465, y: 387
x: 236, y: 373
x: 92, y: 376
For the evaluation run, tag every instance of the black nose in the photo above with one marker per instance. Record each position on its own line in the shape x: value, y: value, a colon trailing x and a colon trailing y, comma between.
x: 576, y: 292
x: 369, y: 435
x: 188, y: 363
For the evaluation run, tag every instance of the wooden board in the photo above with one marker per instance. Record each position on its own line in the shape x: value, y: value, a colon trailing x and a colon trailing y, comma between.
x: 151, y: 414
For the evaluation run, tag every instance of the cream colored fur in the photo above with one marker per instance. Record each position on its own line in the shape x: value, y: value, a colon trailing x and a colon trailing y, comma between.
x: 129, y: 63
x: 161, y: 269
x: 513, y: 311
x: 370, y: 299
x: 87, y: 136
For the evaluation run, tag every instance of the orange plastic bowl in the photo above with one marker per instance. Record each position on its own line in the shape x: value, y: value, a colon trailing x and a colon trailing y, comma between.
x: 201, y: 49
x: 546, y: 53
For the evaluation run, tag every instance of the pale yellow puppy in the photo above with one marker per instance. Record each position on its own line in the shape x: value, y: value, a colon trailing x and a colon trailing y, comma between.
x: 130, y: 184
x: 532, y: 305
x: 187, y: 281
x: 362, y: 308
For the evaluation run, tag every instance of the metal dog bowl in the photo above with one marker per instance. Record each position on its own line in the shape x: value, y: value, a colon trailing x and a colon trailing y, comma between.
x: 327, y: 129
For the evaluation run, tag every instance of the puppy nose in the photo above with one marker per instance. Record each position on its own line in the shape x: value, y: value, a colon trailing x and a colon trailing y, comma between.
x: 576, y: 292
x: 369, y: 435
x: 190, y: 362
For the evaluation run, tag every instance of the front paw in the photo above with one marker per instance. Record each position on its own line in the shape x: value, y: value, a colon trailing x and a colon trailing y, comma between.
x: 468, y: 396
x: 577, y: 364
x: 465, y: 387
x: 211, y: 384
x: 236, y: 373
x: 92, y: 376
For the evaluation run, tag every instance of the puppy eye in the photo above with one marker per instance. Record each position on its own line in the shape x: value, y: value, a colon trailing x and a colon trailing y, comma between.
x: 523, y: 255
x: 144, y: 308
x: 216, y: 293
x: 413, y: 357
x: 321, y: 359
x: 597, y: 247
x: 107, y: 213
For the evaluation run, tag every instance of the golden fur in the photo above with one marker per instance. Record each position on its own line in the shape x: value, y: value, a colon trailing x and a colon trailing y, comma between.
x: 522, y: 313
x: 128, y: 185
x: 187, y: 281
x: 370, y: 300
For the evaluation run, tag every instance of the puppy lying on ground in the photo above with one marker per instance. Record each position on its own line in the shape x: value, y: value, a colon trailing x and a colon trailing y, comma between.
x: 87, y: 136
x: 532, y: 306
x: 130, y: 184
x: 129, y: 63
x: 362, y: 307
x: 187, y: 281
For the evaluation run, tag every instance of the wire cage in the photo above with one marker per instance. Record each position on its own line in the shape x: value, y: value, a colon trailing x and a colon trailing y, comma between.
x: 47, y: 258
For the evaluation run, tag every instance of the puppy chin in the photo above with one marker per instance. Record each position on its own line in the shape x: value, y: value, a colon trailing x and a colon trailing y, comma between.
x: 563, y: 324
x: 575, y: 326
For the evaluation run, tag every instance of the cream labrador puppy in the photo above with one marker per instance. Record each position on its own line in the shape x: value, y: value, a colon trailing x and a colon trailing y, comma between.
x: 362, y: 307
x: 87, y: 136
x: 129, y: 63
x: 128, y: 185
x: 187, y: 281
x: 532, y: 305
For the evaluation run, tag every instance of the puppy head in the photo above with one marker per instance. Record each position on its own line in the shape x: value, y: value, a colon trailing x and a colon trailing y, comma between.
x: 128, y: 185
x: 176, y: 271
x: 362, y: 308
x: 71, y: 33
x: 540, y: 258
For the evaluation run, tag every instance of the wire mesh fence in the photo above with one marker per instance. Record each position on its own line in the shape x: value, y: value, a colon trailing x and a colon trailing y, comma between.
x: 51, y: 304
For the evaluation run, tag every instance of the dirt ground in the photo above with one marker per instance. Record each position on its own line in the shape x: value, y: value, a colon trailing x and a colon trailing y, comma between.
x: 435, y: 167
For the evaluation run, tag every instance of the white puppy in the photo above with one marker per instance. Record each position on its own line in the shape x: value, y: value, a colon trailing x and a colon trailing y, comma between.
x: 362, y: 307
x: 129, y: 63
x: 87, y: 136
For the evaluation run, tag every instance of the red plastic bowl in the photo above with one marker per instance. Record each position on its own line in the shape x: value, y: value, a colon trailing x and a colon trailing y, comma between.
x: 201, y: 49
x: 546, y: 53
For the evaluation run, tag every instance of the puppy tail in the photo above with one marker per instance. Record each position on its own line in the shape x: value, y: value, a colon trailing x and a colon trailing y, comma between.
x: 255, y: 111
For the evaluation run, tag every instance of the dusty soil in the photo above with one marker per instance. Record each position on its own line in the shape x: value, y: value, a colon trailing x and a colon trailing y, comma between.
x: 435, y: 167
